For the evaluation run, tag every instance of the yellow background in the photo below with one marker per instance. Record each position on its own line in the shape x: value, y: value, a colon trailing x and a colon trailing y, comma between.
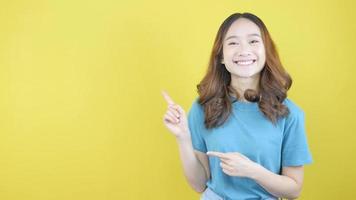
x: 81, y: 109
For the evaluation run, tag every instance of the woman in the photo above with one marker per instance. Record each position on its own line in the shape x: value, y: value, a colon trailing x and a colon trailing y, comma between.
x: 243, y: 138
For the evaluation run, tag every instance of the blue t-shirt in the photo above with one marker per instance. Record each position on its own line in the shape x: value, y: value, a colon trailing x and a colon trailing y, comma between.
x: 249, y: 132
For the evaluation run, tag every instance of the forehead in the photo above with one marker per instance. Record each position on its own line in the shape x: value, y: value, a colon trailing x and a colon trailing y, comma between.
x: 242, y: 28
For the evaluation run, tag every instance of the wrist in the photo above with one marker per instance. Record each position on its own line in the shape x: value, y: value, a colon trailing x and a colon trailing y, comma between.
x: 256, y: 172
x: 183, y: 138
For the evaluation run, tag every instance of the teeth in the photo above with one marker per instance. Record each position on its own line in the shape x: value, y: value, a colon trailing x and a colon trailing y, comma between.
x: 245, y: 62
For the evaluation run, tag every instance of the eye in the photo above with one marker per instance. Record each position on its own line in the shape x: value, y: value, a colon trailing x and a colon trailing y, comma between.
x: 233, y: 43
x: 254, y: 41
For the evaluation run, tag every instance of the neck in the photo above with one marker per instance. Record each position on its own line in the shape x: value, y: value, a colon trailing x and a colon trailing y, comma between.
x: 240, y: 84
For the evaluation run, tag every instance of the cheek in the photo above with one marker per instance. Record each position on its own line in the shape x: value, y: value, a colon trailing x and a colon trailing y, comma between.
x: 227, y: 52
x: 262, y: 55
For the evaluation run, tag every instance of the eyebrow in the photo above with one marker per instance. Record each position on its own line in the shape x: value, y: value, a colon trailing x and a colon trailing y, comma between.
x: 234, y: 36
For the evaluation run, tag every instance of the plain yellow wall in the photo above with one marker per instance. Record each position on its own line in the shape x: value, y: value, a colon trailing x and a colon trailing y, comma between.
x: 81, y: 109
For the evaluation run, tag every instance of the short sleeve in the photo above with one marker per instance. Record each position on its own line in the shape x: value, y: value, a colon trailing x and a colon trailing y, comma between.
x: 295, y: 150
x: 196, y: 126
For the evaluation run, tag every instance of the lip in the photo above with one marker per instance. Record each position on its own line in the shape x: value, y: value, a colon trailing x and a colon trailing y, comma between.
x: 245, y: 62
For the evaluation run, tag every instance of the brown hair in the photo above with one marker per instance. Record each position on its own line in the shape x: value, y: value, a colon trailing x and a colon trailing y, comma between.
x: 214, y: 90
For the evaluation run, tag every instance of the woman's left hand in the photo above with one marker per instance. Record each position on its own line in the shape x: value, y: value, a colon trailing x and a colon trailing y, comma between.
x: 236, y: 164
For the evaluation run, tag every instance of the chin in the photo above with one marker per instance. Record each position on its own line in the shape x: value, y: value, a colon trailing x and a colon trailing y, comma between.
x: 245, y: 75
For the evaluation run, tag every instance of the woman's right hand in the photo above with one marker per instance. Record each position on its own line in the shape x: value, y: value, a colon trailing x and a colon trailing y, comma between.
x: 175, y: 119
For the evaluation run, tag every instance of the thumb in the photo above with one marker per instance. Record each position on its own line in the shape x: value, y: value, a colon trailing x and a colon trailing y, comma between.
x: 243, y: 156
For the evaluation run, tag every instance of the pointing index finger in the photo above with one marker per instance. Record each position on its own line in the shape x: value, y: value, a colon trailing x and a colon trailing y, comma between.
x: 217, y: 154
x: 167, y: 98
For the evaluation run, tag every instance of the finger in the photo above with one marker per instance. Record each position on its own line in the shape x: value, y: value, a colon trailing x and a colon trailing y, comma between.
x: 170, y: 114
x: 225, y: 161
x: 167, y: 98
x: 173, y: 111
x: 227, y: 172
x: 243, y: 156
x: 177, y: 108
x: 180, y: 109
x: 217, y: 154
x: 225, y: 166
x: 213, y: 153
x: 170, y: 119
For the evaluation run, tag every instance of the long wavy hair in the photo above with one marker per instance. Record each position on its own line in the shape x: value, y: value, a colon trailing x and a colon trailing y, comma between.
x: 214, y: 90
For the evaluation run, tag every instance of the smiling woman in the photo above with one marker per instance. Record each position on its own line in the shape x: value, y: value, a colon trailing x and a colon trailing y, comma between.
x: 245, y: 37
x: 243, y: 138
x: 244, y: 63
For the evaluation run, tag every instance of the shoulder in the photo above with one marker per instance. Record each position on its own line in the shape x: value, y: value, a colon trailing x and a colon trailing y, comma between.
x: 196, y: 109
x: 295, y: 111
x: 292, y: 106
x: 196, y: 115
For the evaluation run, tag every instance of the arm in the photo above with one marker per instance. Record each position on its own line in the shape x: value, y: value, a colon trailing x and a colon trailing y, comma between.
x: 194, y: 170
x: 193, y: 162
x: 288, y: 185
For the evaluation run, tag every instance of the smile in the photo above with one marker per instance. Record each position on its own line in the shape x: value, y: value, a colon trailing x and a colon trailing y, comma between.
x: 245, y: 62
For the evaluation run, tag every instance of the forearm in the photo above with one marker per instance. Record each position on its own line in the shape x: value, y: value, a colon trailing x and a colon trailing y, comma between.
x: 278, y: 185
x: 193, y: 169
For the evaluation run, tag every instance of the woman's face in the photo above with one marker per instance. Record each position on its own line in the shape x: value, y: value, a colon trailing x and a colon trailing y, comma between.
x: 243, y: 49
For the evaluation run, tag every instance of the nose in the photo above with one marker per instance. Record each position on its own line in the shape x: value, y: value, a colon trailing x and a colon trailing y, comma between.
x: 244, y: 54
x: 244, y: 50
